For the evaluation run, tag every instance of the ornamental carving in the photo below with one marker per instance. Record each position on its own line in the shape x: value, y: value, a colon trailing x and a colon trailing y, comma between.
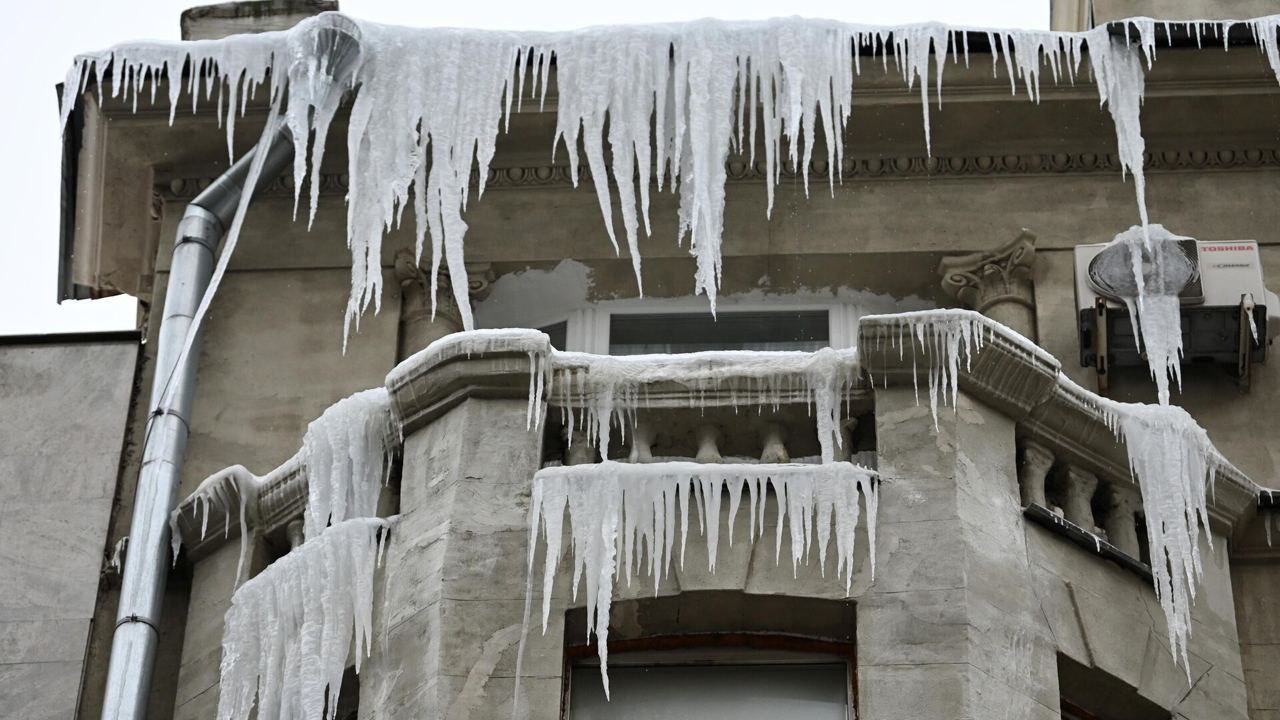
x: 997, y: 283
x: 739, y: 169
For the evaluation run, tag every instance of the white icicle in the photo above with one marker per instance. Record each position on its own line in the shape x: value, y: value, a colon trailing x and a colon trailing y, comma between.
x: 944, y: 337
x: 289, y: 630
x: 347, y: 453
x: 1156, y: 311
x: 1117, y: 71
x: 1174, y: 463
x: 616, y: 509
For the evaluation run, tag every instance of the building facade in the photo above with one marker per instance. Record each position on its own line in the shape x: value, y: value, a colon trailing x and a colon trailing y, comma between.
x: 1012, y: 577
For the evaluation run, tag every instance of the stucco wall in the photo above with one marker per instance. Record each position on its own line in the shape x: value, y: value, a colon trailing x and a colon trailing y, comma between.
x: 64, y: 405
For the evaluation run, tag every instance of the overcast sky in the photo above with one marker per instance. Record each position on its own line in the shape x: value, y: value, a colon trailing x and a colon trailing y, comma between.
x: 36, y: 55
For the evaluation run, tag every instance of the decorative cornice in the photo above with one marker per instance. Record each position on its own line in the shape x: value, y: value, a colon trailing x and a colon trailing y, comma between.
x: 905, y: 167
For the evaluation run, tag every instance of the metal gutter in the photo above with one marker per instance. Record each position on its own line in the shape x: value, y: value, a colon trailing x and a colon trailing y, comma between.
x: 200, y: 232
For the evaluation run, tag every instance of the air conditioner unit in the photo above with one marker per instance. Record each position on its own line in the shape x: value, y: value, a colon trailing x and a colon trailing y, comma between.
x: 1220, y: 287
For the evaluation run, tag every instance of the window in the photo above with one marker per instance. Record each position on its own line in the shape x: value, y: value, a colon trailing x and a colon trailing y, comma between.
x: 637, y: 334
x: 798, y: 689
x: 716, y: 655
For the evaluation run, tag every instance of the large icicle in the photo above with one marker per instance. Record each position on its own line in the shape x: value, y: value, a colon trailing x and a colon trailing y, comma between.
x: 1160, y: 270
x: 347, y: 452
x: 290, y: 630
x: 1174, y: 463
x: 615, y: 509
x: 604, y: 389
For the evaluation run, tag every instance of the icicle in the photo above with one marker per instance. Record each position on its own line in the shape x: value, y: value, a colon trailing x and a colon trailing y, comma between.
x: 686, y: 81
x: 1174, y: 462
x: 289, y: 630
x: 118, y: 550
x: 1159, y: 270
x: 619, y: 508
x: 608, y: 387
x: 1117, y: 70
x: 347, y: 452
x: 214, y: 496
x: 945, y: 337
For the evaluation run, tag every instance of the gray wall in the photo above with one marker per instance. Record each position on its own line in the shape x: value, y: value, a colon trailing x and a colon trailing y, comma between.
x: 64, y: 405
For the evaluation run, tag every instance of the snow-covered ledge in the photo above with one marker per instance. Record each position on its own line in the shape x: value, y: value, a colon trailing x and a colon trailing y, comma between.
x: 1005, y: 371
x: 1014, y: 375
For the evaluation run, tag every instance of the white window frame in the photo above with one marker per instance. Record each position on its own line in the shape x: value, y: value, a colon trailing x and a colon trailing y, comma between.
x: 587, y: 329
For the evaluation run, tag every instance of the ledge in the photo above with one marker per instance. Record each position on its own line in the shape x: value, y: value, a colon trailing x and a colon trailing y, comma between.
x: 1018, y: 378
x: 1049, y: 520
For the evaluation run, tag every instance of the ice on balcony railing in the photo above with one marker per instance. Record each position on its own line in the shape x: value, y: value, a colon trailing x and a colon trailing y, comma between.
x: 601, y: 390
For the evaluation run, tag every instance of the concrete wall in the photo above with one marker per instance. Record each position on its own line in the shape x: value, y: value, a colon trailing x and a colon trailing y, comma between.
x: 64, y: 405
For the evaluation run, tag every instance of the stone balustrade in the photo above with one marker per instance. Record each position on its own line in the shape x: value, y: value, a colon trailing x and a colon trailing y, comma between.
x: 784, y: 434
x: 1108, y: 509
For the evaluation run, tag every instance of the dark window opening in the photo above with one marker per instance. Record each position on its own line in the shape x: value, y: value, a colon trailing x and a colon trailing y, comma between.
x: 697, y: 332
x: 717, y: 655
x: 558, y: 332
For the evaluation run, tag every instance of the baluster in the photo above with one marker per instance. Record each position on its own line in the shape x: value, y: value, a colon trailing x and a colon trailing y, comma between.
x: 1036, y: 463
x: 642, y: 437
x: 774, y: 448
x: 1081, y: 485
x: 1121, y: 521
x: 708, y: 444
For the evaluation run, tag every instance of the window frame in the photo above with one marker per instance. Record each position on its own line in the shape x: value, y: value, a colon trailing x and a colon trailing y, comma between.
x: 587, y: 328
x: 728, y: 642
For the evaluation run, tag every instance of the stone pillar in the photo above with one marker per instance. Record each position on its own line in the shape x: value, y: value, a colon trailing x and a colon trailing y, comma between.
x: 448, y: 626
x: 998, y: 283
x: 418, y: 328
x: 1121, y: 522
x: 1036, y: 462
x: 950, y: 627
x: 1078, y: 497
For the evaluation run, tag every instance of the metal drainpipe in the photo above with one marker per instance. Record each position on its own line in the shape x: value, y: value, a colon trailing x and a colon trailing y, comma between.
x: 146, y: 569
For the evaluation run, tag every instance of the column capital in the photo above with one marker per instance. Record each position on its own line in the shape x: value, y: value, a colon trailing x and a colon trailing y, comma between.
x: 998, y: 283
x: 985, y: 278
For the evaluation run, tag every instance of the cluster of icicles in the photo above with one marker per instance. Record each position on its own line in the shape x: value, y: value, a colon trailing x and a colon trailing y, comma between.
x: 290, y: 630
x: 623, y: 520
x: 670, y: 102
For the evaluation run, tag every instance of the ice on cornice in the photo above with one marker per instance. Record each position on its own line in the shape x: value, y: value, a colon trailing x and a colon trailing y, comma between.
x: 214, y: 495
x: 289, y: 630
x: 533, y: 343
x: 623, y: 521
x: 431, y: 103
x: 946, y: 337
